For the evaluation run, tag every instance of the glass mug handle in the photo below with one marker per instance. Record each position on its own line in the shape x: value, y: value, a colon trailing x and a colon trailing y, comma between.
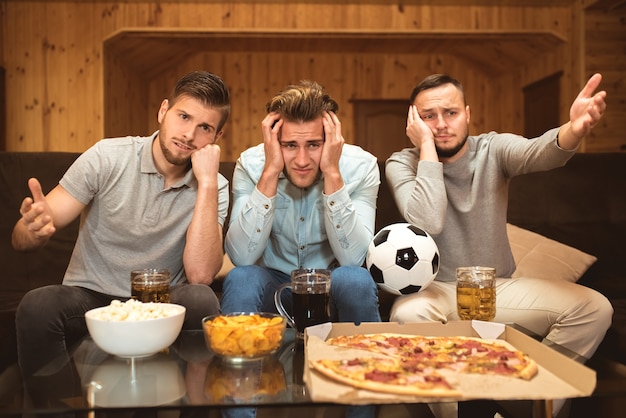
x: 280, y: 307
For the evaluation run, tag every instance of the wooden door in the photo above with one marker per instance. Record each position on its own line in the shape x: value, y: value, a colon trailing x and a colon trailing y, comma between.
x: 380, y: 126
x: 541, y: 105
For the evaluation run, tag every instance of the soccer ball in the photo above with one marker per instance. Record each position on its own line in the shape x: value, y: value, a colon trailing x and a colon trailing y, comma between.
x: 402, y: 259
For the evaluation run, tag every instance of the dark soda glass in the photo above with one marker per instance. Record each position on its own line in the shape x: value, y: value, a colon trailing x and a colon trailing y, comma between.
x: 310, y: 309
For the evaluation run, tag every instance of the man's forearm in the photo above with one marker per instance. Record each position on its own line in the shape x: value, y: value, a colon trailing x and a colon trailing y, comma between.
x: 203, y: 255
x: 252, y: 219
x: 350, y: 225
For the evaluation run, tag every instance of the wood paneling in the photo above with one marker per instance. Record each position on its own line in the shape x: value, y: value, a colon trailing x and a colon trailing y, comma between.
x: 541, y: 105
x: 256, y: 64
x: 70, y: 82
x: 605, y: 50
x: 143, y: 49
x: 3, y: 110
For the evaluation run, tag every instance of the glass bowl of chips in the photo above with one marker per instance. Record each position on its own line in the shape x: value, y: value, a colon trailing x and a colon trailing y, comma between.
x: 244, y: 336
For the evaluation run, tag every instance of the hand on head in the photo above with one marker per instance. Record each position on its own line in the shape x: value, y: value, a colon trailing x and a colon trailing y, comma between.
x: 421, y: 135
x: 333, y: 143
x: 416, y: 129
x: 588, y: 108
x: 36, y: 213
x: 273, y: 156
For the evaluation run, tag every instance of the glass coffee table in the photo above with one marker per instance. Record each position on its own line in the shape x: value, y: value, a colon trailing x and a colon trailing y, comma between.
x: 187, y: 377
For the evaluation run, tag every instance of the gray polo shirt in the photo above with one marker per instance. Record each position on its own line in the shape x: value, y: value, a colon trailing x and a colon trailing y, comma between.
x: 130, y: 221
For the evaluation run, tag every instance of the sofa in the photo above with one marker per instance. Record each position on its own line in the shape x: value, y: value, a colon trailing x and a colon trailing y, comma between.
x: 574, y: 217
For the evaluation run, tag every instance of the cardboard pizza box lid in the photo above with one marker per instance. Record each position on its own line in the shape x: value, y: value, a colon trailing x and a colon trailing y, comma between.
x: 559, y: 376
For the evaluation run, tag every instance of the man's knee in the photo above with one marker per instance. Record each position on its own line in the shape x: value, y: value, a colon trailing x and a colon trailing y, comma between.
x: 194, y: 295
x: 603, y: 311
x: 350, y: 277
x: 199, y: 301
x: 411, y: 308
x: 39, y: 302
x: 242, y: 275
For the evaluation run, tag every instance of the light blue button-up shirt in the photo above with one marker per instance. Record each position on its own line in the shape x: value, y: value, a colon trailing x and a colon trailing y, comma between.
x: 303, y: 227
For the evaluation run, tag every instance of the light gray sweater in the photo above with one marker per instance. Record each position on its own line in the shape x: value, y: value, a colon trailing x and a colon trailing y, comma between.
x: 463, y: 204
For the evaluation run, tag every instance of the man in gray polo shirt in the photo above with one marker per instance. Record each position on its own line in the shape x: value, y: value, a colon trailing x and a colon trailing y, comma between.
x: 144, y: 202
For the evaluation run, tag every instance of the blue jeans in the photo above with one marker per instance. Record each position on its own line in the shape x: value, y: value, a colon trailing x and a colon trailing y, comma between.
x: 353, y: 293
x: 365, y: 411
x: 354, y: 298
x: 50, y: 321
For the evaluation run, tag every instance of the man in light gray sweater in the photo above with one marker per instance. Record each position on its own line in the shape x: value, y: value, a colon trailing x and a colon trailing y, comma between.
x: 455, y: 187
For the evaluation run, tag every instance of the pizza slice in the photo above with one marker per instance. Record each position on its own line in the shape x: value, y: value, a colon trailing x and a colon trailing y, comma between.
x: 385, y: 343
x: 492, y: 357
x: 386, y: 374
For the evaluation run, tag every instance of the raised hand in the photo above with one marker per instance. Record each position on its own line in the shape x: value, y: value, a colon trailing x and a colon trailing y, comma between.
x: 588, y: 108
x: 36, y: 213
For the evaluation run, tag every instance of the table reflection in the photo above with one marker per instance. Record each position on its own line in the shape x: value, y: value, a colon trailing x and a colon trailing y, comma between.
x: 251, y: 381
x: 118, y: 382
x: 186, y: 374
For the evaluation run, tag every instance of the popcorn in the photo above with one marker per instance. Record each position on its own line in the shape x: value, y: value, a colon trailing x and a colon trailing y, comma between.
x: 133, y: 310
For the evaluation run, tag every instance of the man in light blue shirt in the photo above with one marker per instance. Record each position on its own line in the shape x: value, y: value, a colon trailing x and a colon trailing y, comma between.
x: 303, y: 198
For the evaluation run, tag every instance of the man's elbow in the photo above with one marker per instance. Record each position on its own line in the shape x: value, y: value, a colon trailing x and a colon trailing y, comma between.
x: 201, y: 277
x: 240, y: 258
x: 434, y: 227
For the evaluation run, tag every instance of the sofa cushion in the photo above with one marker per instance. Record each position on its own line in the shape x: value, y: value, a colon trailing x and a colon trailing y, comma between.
x: 544, y: 258
x: 23, y: 271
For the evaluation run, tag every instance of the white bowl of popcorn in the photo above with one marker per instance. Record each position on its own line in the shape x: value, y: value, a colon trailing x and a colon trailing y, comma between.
x: 134, y: 329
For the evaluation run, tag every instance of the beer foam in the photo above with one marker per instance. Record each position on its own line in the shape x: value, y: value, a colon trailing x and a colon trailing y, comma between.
x: 133, y: 310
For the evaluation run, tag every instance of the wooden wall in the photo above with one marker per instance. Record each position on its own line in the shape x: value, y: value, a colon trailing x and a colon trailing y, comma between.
x: 79, y: 71
x: 605, y: 52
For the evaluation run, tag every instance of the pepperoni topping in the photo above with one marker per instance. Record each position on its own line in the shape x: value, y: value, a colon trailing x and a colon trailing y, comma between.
x: 381, y: 376
x: 501, y: 355
x: 399, y: 342
x: 474, y: 346
x: 503, y: 368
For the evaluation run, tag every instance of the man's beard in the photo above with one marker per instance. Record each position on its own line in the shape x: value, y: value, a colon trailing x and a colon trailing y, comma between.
x: 451, y: 152
x: 317, y: 178
x: 171, y: 158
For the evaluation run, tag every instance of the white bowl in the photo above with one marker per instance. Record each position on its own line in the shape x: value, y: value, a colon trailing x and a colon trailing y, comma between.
x: 135, y: 338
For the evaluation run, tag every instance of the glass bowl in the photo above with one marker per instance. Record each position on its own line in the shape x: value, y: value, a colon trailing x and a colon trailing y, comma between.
x: 243, y: 336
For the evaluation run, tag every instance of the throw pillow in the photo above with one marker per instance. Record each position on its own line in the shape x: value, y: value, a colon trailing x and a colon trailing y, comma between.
x: 544, y: 258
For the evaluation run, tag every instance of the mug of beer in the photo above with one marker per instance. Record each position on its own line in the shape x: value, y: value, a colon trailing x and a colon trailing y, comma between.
x: 310, y: 289
x: 150, y: 285
x: 476, y: 293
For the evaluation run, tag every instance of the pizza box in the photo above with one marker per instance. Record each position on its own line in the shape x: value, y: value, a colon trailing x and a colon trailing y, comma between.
x: 559, y: 377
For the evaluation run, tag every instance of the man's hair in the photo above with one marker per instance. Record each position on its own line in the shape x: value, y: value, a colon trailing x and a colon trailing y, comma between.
x: 205, y: 87
x: 436, y: 80
x: 302, y: 102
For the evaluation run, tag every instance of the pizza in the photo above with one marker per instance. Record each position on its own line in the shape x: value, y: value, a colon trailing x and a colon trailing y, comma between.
x: 420, y: 365
x: 387, y: 374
